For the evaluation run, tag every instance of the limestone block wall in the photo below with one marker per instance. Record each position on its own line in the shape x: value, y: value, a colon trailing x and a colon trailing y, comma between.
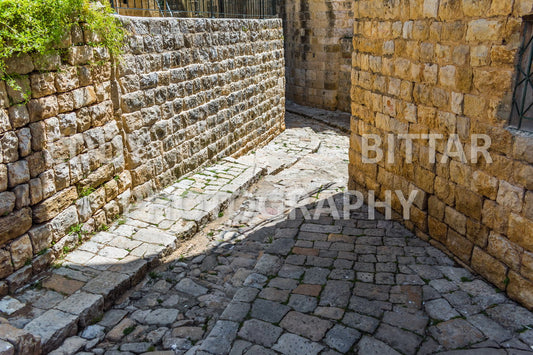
x: 193, y: 91
x: 315, y: 50
x: 61, y: 157
x: 79, y: 140
x: 429, y: 66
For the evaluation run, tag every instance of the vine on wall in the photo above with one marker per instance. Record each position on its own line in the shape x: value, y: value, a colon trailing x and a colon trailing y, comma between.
x: 40, y: 26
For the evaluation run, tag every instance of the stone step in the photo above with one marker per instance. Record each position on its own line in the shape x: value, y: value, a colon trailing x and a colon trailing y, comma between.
x: 284, y: 151
x: 88, y: 280
x: 337, y: 119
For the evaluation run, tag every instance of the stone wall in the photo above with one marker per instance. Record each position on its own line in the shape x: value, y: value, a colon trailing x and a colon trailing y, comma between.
x: 316, y: 52
x: 93, y: 136
x: 429, y: 66
x: 211, y: 89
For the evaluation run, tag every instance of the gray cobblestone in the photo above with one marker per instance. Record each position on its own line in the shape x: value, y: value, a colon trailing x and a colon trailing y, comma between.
x: 291, y: 344
x: 238, y: 263
x: 260, y: 332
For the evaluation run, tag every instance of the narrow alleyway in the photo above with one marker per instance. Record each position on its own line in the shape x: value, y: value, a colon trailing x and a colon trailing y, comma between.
x: 263, y: 278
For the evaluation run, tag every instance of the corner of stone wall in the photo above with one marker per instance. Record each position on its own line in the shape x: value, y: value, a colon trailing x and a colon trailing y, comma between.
x: 447, y: 67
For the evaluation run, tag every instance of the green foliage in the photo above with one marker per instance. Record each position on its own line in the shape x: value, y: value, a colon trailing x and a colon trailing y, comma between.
x: 28, y: 26
x: 76, y: 229
x: 128, y: 330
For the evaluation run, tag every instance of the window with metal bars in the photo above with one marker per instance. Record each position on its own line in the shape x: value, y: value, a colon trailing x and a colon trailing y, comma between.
x: 522, y: 110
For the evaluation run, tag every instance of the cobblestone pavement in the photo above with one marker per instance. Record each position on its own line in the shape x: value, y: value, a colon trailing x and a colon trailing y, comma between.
x: 265, y: 279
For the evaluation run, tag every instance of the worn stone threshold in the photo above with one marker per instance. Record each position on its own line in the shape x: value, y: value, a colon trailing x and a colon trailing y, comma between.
x: 337, y: 119
x: 77, y: 289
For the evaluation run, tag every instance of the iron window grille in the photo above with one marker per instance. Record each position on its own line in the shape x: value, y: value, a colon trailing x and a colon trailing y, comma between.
x: 522, y: 109
x: 197, y: 8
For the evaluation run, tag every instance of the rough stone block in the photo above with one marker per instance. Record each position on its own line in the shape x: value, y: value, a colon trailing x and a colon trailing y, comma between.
x: 24, y: 138
x: 510, y: 196
x: 46, y: 62
x: 41, y: 237
x: 62, y: 223
x: 42, y: 84
x: 52, y: 327
x: 42, y: 108
x: 21, y: 251
x: 52, y: 206
x: 23, y: 342
x: 489, y: 267
x: 483, y: 30
x: 459, y: 245
x: 86, y: 306
x: 108, y: 284
x: 19, y: 278
x: 19, y: 116
x: 79, y: 55
x: 505, y: 251
x: 66, y: 79
x: 455, y: 220
x: 9, y: 144
x: 18, y: 92
x: 14, y: 225
x: 83, y: 97
x: 19, y: 64
x: 484, y: 184
x: 521, y: 231
x: 3, y: 177
x: 520, y: 289
x: 7, y: 203
x: 6, y: 268
x: 5, y: 125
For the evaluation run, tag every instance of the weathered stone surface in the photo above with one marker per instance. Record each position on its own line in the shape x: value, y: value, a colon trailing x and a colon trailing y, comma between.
x: 336, y: 294
x: 269, y: 311
x: 291, y: 344
x: 18, y: 173
x: 93, y: 332
x: 19, y: 64
x: 221, y: 337
x: 84, y: 305
x: 108, y: 284
x: 235, y: 311
x: 23, y: 341
x: 40, y: 109
x: 260, y: 332
x: 440, y: 309
x: 6, y: 348
x: 7, y: 203
x: 341, y: 338
x: 52, y: 327
x: 62, y: 284
x: 52, y: 206
x: 21, y: 251
x: 9, y: 305
x: 15, y: 224
x: 310, y: 327
x: 456, y: 333
x: 372, y: 346
x: 162, y: 316
x: 190, y: 287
